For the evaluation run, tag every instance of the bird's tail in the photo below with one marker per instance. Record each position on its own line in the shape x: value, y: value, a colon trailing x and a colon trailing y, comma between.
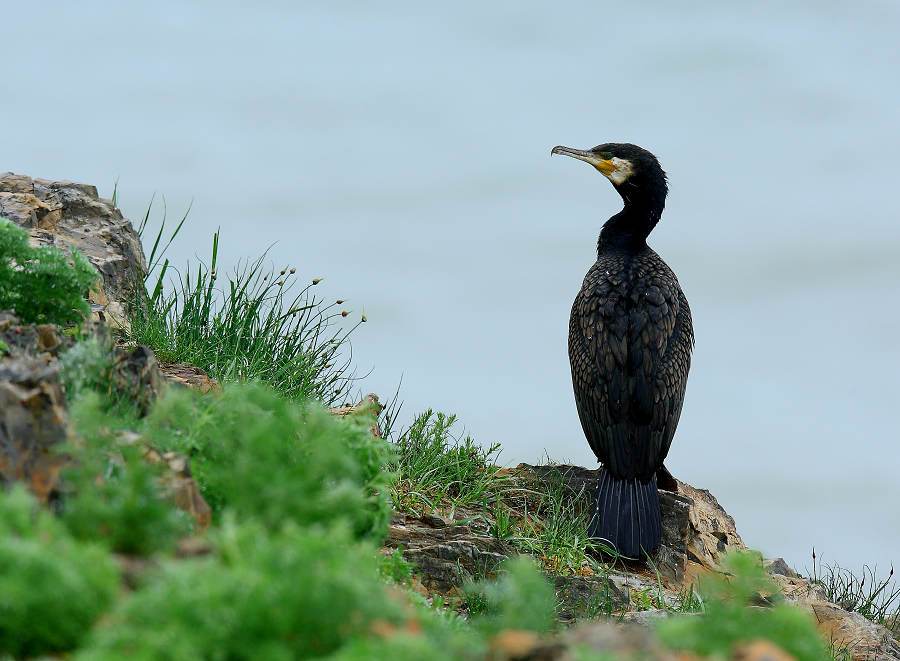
x: 626, y: 515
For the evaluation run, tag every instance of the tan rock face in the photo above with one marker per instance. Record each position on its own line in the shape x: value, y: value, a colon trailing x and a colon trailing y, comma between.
x: 32, y: 423
x: 188, y: 376
x: 71, y: 215
x: 851, y: 631
x: 33, y: 418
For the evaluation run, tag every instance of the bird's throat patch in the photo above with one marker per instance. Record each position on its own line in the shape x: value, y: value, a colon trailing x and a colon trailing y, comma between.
x: 620, y: 170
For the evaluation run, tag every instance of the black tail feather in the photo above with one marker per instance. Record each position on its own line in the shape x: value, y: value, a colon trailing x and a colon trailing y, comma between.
x: 626, y: 515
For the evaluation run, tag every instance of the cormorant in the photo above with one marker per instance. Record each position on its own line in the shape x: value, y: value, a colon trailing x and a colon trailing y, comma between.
x: 630, y: 341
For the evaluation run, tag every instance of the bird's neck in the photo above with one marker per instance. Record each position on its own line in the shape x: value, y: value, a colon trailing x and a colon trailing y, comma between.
x: 630, y: 228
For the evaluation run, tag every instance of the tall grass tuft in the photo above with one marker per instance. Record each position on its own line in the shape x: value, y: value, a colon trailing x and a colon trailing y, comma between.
x: 256, y: 324
x: 437, y: 469
x: 875, y: 598
x: 556, y: 530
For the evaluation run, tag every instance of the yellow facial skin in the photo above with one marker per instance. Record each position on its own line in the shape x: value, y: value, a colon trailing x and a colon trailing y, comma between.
x: 605, y: 167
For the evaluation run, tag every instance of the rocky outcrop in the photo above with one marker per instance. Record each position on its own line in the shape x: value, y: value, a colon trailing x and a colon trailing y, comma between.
x: 71, y: 215
x: 33, y: 419
x: 34, y: 422
x: 446, y: 551
x: 189, y: 376
x: 697, y: 533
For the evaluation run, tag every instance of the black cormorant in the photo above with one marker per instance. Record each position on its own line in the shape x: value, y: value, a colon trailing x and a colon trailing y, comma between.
x: 630, y: 341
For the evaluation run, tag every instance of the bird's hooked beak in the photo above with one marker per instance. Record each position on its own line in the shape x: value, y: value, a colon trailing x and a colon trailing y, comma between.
x: 606, y: 167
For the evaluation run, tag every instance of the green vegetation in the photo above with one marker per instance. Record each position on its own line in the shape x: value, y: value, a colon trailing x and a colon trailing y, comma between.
x: 87, y: 367
x: 729, y: 616
x: 114, y: 492
x: 875, y: 598
x: 556, y: 530
x: 258, y: 325
x: 290, y: 567
x: 43, y: 285
x: 521, y: 598
x: 277, y: 460
x: 436, y: 469
x: 294, y: 593
x: 52, y: 588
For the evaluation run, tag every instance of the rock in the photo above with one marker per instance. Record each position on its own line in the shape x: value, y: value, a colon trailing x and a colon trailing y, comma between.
x: 761, y: 650
x: 625, y: 641
x: 36, y: 341
x: 862, y: 638
x: 778, y: 567
x: 33, y: 419
x: 368, y: 404
x: 446, y: 556
x: 136, y: 375
x: 32, y: 424
x: 519, y: 644
x: 188, y: 376
x: 180, y: 487
x: 589, y: 597
x: 70, y: 215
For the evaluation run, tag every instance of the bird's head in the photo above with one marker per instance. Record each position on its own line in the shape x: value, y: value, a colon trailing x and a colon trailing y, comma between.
x: 633, y: 171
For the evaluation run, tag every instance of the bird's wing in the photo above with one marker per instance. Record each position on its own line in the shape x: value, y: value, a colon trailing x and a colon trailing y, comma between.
x: 632, y: 378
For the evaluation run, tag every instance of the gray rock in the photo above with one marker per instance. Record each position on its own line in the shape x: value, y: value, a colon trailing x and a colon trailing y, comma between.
x: 446, y: 556
x: 780, y: 568
x: 71, y: 215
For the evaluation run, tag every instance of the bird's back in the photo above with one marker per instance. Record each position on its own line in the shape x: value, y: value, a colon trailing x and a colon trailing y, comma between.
x: 630, y: 341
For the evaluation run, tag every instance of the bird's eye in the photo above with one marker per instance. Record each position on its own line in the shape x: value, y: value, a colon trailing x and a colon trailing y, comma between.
x: 605, y: 155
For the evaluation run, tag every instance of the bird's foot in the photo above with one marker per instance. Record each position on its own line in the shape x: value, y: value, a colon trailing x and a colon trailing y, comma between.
x: 665, y: 480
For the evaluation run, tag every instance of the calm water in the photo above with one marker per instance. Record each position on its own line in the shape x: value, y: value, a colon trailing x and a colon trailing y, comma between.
x: 402, y: 152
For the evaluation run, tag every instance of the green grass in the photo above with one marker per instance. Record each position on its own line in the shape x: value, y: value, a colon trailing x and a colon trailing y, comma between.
x: 437, y: 469
x: 555, y: 530
x: 877, y: 598
x: 257, y: 323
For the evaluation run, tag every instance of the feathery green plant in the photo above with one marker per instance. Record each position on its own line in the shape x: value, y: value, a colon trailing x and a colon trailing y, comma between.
x: 42, y: 285
x: 293, y: 593
x: 730, y: 616
x: 520, y: 598
x: 437, y: 469
x: 272, y: 459
x: 113, y: 493
x: 52, y: 588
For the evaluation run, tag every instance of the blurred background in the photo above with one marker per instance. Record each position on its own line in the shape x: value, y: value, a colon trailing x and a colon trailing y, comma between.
x: 402, y: 152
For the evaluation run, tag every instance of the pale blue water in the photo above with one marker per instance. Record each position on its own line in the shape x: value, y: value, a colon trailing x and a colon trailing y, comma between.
x: 402, y: 152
